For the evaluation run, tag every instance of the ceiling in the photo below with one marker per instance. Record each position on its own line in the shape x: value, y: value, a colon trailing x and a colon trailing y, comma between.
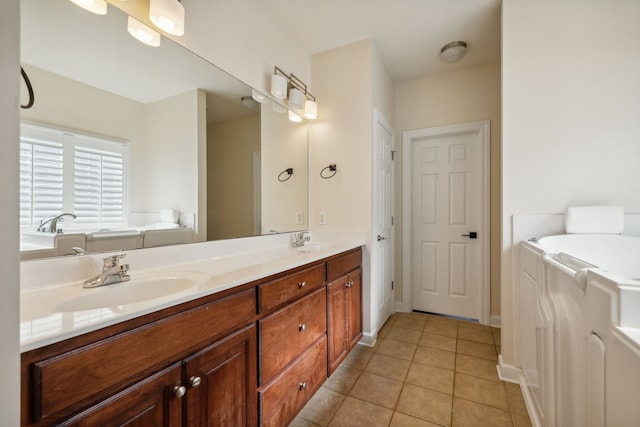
x: 408, y: 33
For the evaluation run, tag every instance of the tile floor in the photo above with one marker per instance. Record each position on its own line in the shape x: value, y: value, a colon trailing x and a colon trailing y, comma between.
x: 424, y: 371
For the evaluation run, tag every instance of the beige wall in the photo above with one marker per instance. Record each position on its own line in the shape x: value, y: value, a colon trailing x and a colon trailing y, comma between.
x: 284, y: 145
x: 230, y: 206
x: 571, y: 102
x: 466, y: 95
x: 171, y: 150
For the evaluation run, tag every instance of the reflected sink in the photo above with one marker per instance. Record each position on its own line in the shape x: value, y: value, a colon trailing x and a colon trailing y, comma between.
x: 313, y: 246
x: 136, y: 290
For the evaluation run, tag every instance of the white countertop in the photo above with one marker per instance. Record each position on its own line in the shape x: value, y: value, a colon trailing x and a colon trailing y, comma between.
x: 46, y: 317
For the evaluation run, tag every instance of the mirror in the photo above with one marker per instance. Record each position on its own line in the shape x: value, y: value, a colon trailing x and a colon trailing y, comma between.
x: 193, y: 145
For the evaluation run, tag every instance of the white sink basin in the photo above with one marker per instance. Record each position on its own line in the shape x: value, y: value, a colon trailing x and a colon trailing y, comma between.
x: 313, y: 246
x: 136, y: 290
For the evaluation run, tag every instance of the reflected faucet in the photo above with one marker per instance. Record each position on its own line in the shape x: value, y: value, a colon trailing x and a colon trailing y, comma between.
x: 300, y: 238
x: 50, y: 224
x: 112, y: 272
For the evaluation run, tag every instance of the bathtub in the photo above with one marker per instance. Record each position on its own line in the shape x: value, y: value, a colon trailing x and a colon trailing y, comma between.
x: 579, y: 323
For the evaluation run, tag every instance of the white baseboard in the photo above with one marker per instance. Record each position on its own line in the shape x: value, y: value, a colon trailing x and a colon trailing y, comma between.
x: 528, y: 402
x: 495, y: 321
x: 399, y: 307
x: 508, y: 373
x: 368, y: 339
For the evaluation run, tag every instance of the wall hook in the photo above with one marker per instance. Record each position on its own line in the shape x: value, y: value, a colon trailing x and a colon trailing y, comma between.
x: 288, y: 172
x: 331, y: 168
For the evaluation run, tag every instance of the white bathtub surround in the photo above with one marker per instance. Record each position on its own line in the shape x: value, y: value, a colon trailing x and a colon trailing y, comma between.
x: 594, y: 219
x: 580, y: 330
x: 48, y: 285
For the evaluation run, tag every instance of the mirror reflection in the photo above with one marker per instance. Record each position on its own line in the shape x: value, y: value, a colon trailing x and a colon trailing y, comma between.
x: 145, y: 146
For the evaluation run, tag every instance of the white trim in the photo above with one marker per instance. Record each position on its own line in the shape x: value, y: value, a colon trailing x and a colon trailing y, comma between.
x: 482, y: 128
x: 369, y: 339
x: 496, y: 321
x: 399, y: 307
x: 508, y: 373
x: 529, y: 404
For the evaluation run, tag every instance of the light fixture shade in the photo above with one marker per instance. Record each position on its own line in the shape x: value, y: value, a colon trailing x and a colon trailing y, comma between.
x: 452, y: 52
x: 142, y: 32
x: 311, y: 109
x: 296, y: 98
x: 294, y: 117
x: 278, y: 108
x: 99, y: 7
x: 258, y: 96
x: 168, y: 15
x: 278, y: 86
x: 248, y: 102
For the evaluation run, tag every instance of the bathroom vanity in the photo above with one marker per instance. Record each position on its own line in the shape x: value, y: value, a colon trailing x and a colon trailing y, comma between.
x: 248, y: 354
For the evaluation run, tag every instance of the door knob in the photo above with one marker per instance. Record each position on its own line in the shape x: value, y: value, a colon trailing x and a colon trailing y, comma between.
x: 381, y: 238
x: 471, y: 235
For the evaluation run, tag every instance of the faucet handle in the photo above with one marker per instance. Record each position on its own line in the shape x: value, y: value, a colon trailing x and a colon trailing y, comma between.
x: 112, y: 261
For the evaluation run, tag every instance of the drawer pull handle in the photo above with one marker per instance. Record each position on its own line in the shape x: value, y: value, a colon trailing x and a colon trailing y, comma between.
x: 195, y: 381
x: 179, y: 390
x: 349, y: 284
x: 302, y: 285
x: 302, y: 327
x: 303, y: 386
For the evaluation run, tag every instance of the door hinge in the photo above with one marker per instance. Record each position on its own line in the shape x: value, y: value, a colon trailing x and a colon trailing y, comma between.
x: 392, y: 220
x: 393, y: 154
x: 392, y: 285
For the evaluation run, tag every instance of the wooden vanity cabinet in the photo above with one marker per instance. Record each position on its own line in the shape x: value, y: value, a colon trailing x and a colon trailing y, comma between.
x: 344, y: 307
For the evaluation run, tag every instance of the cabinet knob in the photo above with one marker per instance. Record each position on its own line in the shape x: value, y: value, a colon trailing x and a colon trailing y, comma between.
x: 349, y: 284
x: 303, y: 386
x: 195, y: 381
x: 179, y: 390
x: 302, y: 285
x: 302, y: 327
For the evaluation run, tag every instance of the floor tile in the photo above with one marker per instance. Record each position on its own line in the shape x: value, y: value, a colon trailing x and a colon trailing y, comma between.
x: 515, y: 399
x: 404, y: 334
x: 384, y: 330
x: 431, y: 377
x: 435, y: 357
x: 480, y: 390
x: 476, y: 335
x: 496, y: 335
x: 476, y: 349
x: 376, y: 389
x: 395, y: 348
x: 402, y: 420
x: 426, y: 404
x: 473, y: 325
x: 477, y: 367
x: 413, y: 322
x: 439, y: 328
x: 442, y: 320
x: 322, y: 406
x: 520, y: 420
x: 359, y: 357
x: 389, y: 367
x: 342, y: 379
x: 438, y: 341
x: 301, y: 422
x: 466, y: 414
x: 354, y: 412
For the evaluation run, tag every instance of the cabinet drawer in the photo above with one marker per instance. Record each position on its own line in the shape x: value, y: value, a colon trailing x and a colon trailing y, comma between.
x: 278, y: 292
x: 71, y: 380
x: 287, y: 332
x: 344, y: 264
x: 286, y: 395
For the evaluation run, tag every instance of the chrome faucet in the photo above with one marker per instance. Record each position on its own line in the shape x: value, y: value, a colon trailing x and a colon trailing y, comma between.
x: 51, y: 224
x: 112, y: 272
x: 300, y: 238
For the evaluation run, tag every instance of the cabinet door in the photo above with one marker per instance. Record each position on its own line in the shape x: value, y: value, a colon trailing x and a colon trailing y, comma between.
x: 355, y: 307
x: 338, y: 319
x: 221, y: 382
x: 149, y: 403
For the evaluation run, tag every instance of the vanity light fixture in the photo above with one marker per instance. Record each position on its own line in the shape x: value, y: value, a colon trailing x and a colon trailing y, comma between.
x: 289, y: 86
x: 99, y: 7
x: 453, y: 52
x: 248, y: 102
x: 142, y: 32
x: 258, y: 97
x: 168, y: 15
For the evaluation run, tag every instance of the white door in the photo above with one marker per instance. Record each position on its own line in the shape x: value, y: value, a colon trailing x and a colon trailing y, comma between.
x: 383, y: 218
x: 448, y: 223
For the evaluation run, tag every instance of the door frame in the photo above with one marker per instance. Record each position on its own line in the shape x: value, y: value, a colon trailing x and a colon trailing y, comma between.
x: 482, y: 129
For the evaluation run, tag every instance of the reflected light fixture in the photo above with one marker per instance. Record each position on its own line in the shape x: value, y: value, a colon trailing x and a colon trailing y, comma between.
x: 99, y: 7
x: 289, y: 86
x: 168, y: 15
x: 248, y: 102
x: 453, y: 52
x: 142, y: 32
x: 258, y: 96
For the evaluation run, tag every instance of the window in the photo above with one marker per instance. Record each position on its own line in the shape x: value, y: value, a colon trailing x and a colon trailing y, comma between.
x: 64, y: 171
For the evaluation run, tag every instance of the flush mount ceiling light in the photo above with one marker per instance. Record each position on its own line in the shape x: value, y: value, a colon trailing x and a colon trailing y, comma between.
x: 454, y: 51
x: 168, y: 15
x: 143, y: 33
x: 99, y: 7
x: 289, y: 86
x: 248, y: 102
